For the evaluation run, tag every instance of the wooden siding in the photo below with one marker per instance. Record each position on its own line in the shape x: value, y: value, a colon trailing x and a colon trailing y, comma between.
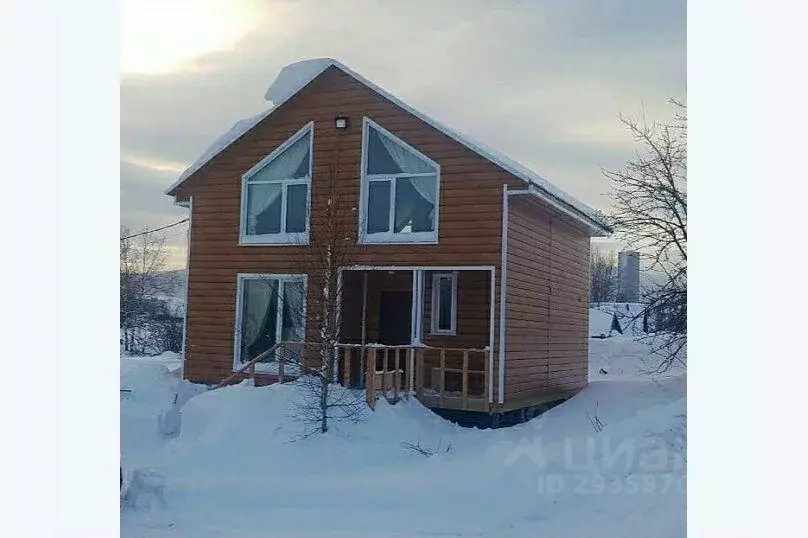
x: 540, y: 355
x: 470, y: 207
x: 547, y: 300
x: 473, y: 295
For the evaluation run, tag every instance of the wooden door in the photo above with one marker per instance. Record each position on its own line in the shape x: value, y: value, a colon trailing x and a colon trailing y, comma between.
x: 395, y: 317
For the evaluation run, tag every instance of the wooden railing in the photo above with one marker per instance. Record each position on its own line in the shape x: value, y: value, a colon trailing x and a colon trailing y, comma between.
x: 248, y: 370
x: 411, y: 362
x: 394, y: 371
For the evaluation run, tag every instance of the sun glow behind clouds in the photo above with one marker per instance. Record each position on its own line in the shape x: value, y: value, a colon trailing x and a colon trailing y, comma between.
x: 158, y: 36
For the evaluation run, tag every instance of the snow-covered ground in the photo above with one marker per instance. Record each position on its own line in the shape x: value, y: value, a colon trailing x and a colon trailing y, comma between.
x: 609, y: 462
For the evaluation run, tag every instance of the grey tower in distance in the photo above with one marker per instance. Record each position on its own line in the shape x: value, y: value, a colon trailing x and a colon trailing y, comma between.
x: 628, y: 277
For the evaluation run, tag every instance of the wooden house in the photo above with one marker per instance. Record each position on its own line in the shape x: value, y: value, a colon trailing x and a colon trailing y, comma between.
x: 473, y: 270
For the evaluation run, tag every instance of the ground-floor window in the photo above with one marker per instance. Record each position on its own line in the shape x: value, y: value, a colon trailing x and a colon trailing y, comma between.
x: 269, y: 309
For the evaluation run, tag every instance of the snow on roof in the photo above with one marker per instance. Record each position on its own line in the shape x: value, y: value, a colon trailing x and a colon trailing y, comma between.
x: 238, y: 129
x: 294, y: 77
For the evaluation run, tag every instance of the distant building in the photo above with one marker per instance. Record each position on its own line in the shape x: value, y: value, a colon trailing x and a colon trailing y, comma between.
x: 628, y: 277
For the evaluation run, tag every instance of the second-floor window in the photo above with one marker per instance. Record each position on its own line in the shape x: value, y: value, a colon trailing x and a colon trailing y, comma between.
x: 275, y: 194
x: 400, y: 189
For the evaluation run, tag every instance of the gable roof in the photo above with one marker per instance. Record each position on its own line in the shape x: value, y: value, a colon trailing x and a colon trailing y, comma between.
x: 294, y: 77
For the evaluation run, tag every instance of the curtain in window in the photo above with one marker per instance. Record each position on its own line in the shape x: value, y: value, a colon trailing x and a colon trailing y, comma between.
x: 292, y: 322
x: 260, y: 197
x: 412, y: 193
x: 260, y: 299
x: 287, y: 165
x: 408, y: 162
x: 290, y: 164
x: 425, y: 186
x: 412, y: 208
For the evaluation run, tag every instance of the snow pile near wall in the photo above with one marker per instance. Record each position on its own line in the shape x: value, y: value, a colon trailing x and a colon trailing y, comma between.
x: 261, y: 422
x: 148, y: 388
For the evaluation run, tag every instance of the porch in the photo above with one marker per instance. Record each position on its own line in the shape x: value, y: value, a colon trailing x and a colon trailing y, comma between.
x: 443, y: 378
x: 423, y: 330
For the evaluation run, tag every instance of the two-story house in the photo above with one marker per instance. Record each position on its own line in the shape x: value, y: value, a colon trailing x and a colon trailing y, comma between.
x: 466, y: 256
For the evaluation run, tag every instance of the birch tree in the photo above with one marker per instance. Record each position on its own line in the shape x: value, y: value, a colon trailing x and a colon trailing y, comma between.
x: 333, y: 246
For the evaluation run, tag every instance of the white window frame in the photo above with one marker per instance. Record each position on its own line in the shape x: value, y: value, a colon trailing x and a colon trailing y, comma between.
x: 390, y: 237
x: 281, y: 238
x: 281, y: 278
x: 436, y: 304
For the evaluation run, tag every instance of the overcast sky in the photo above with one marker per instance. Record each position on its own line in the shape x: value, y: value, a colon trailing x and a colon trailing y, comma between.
x: 543, y: 81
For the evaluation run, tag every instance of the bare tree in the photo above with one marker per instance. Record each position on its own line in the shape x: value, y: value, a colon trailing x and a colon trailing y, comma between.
x: 602, y: 276
x: 333, y: 246
x: 650, y: 215
x: 142, y: 283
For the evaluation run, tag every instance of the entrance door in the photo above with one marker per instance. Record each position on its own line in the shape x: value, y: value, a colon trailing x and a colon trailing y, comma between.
x: 395, y: 316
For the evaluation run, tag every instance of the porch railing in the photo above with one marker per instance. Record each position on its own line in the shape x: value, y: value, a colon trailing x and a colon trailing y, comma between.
x: 443, y: 377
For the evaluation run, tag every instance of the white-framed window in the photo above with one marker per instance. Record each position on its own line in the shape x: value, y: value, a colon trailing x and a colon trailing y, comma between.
x: 275, y: 194
x: 269, y: 309
x: 444, y: 303
x: 400, y: 190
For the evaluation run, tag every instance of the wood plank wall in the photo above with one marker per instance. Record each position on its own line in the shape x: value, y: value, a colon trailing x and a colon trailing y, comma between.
x: 470, y: 207
x: 546, y: 303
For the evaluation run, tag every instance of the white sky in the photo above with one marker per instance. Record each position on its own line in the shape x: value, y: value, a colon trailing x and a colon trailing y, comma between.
x: 542, y: 81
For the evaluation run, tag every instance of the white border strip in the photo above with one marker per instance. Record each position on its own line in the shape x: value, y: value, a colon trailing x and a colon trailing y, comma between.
x: 491, y: 333
x: 187, y: 282
x: 421, y: 267
x: 240, y: 279
x: 503, y: 290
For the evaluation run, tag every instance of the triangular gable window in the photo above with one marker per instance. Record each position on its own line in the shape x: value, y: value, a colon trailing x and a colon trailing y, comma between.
x: 275, y: 198
x: 400, y: 189
x: 385, y: 155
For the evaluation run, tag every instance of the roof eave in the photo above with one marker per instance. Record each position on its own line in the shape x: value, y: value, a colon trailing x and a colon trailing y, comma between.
x: 595, y: 227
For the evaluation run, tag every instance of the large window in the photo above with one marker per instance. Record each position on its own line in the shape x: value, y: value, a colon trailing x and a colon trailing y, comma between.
x: 400, y: 188
x: 269, y: 309
x: 275, y: 194
x: 444, y: 303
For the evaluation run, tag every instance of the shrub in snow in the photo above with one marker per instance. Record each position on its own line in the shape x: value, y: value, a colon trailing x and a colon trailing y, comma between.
x: 146, y: 489
x: 425, y: 450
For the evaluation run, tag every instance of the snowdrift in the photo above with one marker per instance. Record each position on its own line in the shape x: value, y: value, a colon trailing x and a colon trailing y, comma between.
x: 629, y: 316
x: 240, y: 467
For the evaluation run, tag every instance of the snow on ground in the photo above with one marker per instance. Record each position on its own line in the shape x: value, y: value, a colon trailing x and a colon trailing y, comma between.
x: 172, y: 361
x: 148, y: 387
x: 629, y: 315
x: 609, y: 463
x: 626, y: 357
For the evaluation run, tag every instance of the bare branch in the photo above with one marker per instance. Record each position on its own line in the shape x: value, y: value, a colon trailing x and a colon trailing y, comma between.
x: 650, y: 216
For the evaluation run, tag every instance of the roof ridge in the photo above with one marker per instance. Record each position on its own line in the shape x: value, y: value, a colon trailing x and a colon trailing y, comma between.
x: 283, y: 91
